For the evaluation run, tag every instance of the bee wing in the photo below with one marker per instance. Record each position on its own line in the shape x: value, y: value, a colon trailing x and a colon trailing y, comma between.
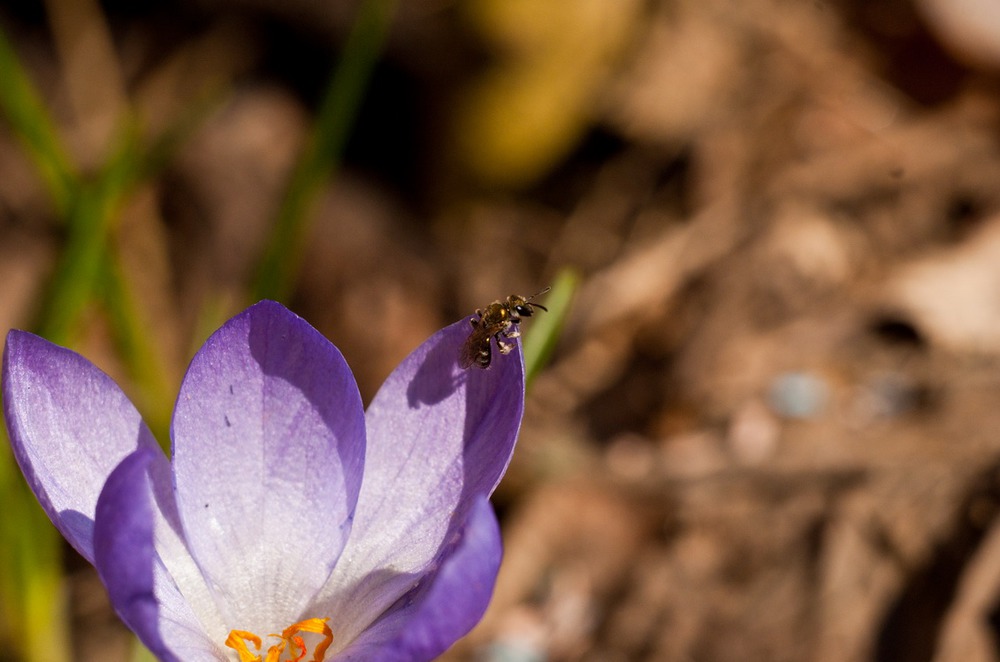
x: 477, y: 350
x: 465, y: 359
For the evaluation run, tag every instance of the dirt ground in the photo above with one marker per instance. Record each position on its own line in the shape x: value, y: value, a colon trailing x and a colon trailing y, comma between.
x: 771, y: 428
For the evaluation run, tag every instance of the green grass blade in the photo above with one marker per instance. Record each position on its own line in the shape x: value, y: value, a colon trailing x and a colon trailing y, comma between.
x: 31, y: 572
x: 30, y: 121
x: 137, y: 346
x: 344, y: 93
x: 91, y: 220
x: 141, y: 654
x: 544, y: 333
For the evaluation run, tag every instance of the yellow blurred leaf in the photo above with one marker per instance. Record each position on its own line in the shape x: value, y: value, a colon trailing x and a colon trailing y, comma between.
x: 554, y: 58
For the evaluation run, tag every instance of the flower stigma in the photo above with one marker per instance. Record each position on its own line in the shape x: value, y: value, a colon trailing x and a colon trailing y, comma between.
x: 238, y: 640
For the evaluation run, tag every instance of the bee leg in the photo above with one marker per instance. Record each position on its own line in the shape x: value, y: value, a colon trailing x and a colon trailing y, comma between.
x: 505, y: 347
x: 474, y: 323
x: 511, y: 333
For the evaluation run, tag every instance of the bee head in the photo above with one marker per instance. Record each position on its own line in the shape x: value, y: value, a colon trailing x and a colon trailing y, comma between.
x: 522, y: 307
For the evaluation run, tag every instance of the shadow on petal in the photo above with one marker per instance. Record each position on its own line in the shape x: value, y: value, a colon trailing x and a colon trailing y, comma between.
x: 437, y: 377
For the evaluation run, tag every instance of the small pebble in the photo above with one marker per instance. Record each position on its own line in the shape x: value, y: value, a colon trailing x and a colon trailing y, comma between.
x: 798, y: 395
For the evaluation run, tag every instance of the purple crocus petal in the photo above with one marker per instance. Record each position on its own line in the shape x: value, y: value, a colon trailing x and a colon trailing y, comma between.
x: 134, y: 535
x: 69, y: 425
x: 438, y: 438
x: 269, y: 441
x: 449, y: 602
x: 124, y: 552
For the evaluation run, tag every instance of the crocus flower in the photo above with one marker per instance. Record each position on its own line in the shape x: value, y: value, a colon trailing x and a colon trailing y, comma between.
x: 289, y: 523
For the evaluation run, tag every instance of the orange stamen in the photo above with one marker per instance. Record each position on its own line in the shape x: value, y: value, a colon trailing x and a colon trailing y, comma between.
x: 238, y: 640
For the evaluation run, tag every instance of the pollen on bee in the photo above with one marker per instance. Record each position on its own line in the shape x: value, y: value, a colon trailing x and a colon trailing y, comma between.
x: 497, y: 321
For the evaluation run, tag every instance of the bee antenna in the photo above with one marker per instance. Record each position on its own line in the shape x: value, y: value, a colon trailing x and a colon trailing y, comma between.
x: 538, y: 294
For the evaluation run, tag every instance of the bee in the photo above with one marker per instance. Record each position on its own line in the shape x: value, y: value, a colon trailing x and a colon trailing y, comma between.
x: 498, y: 321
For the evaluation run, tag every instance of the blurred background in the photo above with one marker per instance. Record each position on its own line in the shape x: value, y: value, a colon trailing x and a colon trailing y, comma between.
x: 770, y: 426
